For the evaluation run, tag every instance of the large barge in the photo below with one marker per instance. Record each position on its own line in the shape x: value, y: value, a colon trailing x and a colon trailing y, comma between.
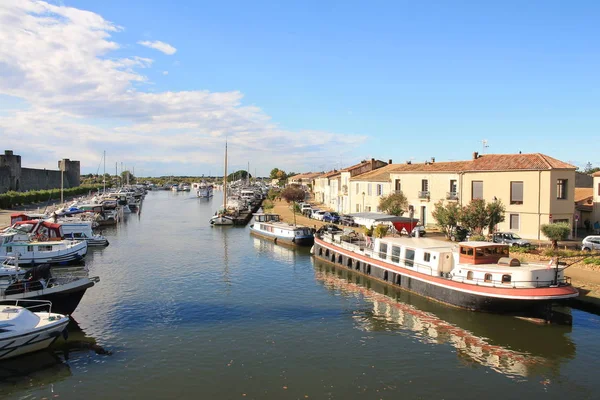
x: 478, y: 276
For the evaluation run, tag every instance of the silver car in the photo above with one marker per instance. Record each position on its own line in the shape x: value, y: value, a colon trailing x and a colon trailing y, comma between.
x: 512, y: 239
x: 591, y: 243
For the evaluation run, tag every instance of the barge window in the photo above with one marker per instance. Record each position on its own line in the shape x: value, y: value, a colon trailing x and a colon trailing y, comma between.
x: 470, y: 275
x: 383, y: 250
x: 426, y: 257
x: 29, y: 248
x: 395, y: 254
x: 488, y: 277
x: 466, y: 251
x: 9, y: 249
x: 479, y: 252
x: 409, y: 257
x: 506, y: 278
x: 44, y: 248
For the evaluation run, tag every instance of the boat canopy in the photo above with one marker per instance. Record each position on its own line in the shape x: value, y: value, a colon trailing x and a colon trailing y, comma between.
x: 482, y: 252
x: 369, y: 219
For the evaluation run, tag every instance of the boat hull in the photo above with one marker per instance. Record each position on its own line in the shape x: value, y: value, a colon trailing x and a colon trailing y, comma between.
x: 293, y: 241
x: 64, y: 298
x: 527, y: 301
x: 29, y: 342
x: 221, y: 220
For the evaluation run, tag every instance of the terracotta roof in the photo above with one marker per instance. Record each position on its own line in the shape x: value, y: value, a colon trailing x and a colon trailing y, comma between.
x: 596, y: 173
x: 306, y: 175
x: 330, y: 174
x: 487, y: 162
x: 378, y: 175
x: 511, y: 162
x: 583, y: 194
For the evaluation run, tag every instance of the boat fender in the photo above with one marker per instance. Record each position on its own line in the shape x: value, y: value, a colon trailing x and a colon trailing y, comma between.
x: 293, y: 240
x: 275, y: 240
x: 65, y: 334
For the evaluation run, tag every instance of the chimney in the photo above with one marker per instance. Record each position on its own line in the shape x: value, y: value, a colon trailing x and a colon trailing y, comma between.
x: 390, y: 161
x: 432, y: 160
x: 475, y: 155
x: 8, y: 152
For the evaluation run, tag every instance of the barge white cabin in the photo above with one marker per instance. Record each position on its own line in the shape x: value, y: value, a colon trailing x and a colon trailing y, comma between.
x: 269, y: 226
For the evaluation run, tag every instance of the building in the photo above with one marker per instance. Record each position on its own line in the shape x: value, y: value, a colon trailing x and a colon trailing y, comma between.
x: 584, y: 207
x: 305, y: 180
x: 15, y: 177
x: 596, y: 200
x: 536, y: 189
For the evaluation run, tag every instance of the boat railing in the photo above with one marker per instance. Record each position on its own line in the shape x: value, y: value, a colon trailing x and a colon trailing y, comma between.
x: 566, y: 281
x: 31, y: 305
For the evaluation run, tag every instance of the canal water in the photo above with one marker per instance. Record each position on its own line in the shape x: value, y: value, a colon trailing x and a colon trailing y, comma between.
x: 186, y: 310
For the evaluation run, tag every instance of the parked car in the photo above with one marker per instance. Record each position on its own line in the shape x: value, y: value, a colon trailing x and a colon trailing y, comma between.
x: 590, y: 243
x: 347, y: 220
x: 306, y: 209
x: 419, y: 228
x: 459, y: 234
x: 331, y: 217
x: 510, y: 238
x: 318, y: 215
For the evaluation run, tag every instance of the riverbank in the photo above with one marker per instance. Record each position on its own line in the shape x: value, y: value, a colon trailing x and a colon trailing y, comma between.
x: 585, y: 279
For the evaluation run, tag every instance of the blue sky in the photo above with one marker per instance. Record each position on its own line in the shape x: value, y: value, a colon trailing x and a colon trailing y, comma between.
x: 390, y: 80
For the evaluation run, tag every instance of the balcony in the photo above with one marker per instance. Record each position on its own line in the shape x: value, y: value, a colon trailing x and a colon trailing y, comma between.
x: 451, y: 195
x: 424, y: 194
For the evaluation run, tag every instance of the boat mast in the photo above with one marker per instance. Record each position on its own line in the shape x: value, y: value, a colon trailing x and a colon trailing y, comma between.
x: 225, y: 180
x: 104, y: 176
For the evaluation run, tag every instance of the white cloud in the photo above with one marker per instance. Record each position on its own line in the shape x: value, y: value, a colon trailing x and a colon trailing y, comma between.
x: 81, y: 101
x: 165, y: 72
x: 160, y: 46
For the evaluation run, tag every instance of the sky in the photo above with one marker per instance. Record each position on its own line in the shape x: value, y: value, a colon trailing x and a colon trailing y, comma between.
x: 298, y: 85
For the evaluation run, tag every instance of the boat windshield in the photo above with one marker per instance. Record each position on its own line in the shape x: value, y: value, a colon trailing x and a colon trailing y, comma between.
x: 26, y: 228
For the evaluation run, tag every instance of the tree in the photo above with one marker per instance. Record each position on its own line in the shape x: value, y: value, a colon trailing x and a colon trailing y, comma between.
x: 292, y: 194
x: 446, y: 216
x: 474, y: 216
x: 556, y: 232
x: 125, y: 175
x: 495, y: 211
x: 273, y: 174
x: 394, y: 204
x: 589, y: 169
x: 237, y: 175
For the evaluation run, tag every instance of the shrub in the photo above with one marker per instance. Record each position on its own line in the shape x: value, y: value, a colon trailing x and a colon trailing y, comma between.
x: 268, y: 205
x: 368, y: 231
x: 381, y: 230
x: 477, y: 238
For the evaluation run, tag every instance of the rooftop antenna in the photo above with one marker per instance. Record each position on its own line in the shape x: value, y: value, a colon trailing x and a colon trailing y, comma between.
x: 485, y: 145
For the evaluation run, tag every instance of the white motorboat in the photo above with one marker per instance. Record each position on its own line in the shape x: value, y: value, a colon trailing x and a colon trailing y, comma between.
x: 269, y: 226
x: 23, y: 331
x: 203, y: 189
x: 40, y: 242
x: 82, y: 230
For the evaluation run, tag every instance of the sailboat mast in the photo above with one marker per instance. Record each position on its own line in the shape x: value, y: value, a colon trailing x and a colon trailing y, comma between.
x: 104, y: 180
x: 225, y: 180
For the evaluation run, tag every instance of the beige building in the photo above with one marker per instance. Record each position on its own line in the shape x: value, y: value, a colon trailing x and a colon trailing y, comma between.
x: 305, y: 179
x: 536, y: 189
x: 596, y: 200
x: 347, y: 197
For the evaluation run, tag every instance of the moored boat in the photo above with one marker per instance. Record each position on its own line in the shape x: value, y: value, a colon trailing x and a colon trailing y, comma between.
x: 269, y: 226
x: 23, y: 331
x: 40, y: 242
x: 478, y: 276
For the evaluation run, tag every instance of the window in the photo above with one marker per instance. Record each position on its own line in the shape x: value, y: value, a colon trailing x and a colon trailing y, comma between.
x: 453, y: 186
x: 369, y: 189
x: 470, y: 275
x: 506, y: 278
x: 395, y: 254
x: 599, y: 189
x: 357, y: 188
x: 358, y: 208
x: 409, y: 257
x: 426, y: 257
x: 488, y: 277
x: 383, y: 250
x: 424, y: 185
x: 44, y: 248
x: 379, y: 190
x: 367, y: 208
x: 476, y: 190
x: 398, y: 186
x: 9, y: 249
x: 561, y: 189
x: 29, y: 248
x: 516, y: 193
x: 514, y: 221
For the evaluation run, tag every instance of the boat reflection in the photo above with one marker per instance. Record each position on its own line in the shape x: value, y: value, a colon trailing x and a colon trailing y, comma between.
x: 507, y: 345
x: 47, y: 366
x: 278, y: 252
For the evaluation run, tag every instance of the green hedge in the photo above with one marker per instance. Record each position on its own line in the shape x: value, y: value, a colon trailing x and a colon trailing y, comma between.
x: 12, y: 199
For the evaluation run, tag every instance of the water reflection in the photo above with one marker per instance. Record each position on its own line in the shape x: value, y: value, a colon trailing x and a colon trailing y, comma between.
x: 277, y: 251
x: 507, y: 345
